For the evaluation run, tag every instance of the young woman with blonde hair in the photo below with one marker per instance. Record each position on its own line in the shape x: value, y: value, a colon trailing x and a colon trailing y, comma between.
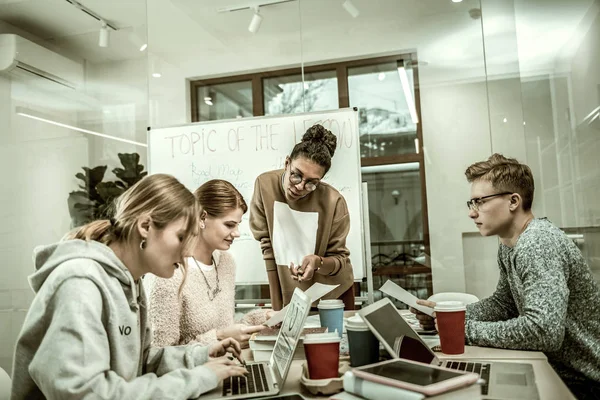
x: 204, y: 311
x: 86, y: 333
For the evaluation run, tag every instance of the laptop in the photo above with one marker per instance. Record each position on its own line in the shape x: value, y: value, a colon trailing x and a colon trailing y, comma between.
x: 502, y: 380
x: 267, y: 378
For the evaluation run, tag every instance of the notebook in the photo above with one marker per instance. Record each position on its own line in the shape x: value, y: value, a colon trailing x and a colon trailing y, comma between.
x: 267, y: 378
x: 502, y: 380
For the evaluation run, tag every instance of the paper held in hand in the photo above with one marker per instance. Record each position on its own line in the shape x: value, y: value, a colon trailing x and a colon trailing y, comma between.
x: 315, y: 292
x: 391, y: 289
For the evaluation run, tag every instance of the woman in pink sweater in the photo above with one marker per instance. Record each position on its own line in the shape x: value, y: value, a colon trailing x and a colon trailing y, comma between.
x: 203, y: 310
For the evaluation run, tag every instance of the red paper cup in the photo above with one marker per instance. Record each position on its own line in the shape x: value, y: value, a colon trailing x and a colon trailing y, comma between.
x: 322, y: 352
x: 450, y: 316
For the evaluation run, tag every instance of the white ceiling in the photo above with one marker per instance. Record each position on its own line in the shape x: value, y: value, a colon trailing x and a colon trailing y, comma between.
x: 194, y: 38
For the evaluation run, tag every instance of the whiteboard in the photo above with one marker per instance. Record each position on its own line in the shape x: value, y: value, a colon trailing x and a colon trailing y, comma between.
x: 239, y: 150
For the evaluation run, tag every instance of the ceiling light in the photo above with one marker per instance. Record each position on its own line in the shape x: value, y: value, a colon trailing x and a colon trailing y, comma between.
x: 457, y: 1
x: 256, y: 20
x: 381, y: 76
x: 408, y: 95
x: 156, y: 74
x: 350, y: 8
x: 138, y: 43
x: 103, y: 36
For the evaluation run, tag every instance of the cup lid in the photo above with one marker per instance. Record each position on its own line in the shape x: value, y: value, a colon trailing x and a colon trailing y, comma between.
x: 330, y: 304
x: 327, y: 337
x: 355, y: 322
x: 449, y: 306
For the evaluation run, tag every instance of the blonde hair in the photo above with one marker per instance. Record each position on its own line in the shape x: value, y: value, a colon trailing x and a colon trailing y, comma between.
x: 218, y: 196
x: 162, y: 198
x: 506, y: 175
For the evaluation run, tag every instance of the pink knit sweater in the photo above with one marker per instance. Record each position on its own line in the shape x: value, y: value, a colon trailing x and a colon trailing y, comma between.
x: 193, y: 317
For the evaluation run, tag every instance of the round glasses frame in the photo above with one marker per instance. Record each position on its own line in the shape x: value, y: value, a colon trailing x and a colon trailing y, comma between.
x: 297, y: 179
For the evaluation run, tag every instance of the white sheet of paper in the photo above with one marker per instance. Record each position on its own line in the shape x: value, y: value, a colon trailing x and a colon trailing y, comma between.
x: 390, y: 288
x: 294, y: 234
x: 315, y: 292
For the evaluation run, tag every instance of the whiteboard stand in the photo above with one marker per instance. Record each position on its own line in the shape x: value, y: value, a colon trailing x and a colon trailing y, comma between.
x: 367, y: 243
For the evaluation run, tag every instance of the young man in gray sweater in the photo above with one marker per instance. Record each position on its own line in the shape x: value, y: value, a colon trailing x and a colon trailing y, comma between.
x: 546, y: 298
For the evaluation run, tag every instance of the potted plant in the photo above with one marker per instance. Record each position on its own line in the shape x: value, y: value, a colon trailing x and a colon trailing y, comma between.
x: 95, y: 199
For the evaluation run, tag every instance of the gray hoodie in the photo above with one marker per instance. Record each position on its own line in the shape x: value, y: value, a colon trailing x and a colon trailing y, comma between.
x: 87, y: 335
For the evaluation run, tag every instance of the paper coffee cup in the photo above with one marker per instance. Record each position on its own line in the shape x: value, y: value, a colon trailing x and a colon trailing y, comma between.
x: 331, y: 314
x: 450, y: 317
x: 364, y: 346
x: 322, y: 352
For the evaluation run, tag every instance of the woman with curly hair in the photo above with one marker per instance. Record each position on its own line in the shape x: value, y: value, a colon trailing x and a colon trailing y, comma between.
x: 298, y: 188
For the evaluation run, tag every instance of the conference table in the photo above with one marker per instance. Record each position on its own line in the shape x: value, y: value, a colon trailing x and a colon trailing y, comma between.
x: 550, y: 386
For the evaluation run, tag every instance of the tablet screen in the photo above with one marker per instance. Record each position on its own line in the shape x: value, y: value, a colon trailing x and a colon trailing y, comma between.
x: 421, y: 375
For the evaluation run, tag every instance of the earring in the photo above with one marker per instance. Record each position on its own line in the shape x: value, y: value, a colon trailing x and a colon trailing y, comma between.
x: 143, y: 244
x: 202, y: 226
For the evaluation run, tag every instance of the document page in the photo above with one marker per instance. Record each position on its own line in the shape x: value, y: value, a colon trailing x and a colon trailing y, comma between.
x: 315, y: 292
x: 391, y: 289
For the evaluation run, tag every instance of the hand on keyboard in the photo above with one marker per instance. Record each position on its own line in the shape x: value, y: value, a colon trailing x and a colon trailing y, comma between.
x: 224, y: 368
x: 228, y: 345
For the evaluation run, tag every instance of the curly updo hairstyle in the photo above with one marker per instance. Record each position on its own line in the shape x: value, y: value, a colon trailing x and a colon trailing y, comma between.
x: 318, y: 145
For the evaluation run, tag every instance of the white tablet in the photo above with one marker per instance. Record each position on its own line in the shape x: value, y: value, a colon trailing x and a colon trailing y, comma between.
x: 418, y: 377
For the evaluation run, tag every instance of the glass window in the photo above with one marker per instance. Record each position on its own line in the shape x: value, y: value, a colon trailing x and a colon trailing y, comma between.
x: 224, y: 101
x: 396, y: 226
x: 384, y: 94
x: 288, y: 95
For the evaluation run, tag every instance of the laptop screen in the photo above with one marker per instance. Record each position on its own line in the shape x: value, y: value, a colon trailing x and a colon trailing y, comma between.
x: 398, y: 335
x: 289, y: 334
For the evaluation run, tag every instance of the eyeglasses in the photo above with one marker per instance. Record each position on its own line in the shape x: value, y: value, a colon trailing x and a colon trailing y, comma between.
x: 297, y: 178
x: 475, y: 203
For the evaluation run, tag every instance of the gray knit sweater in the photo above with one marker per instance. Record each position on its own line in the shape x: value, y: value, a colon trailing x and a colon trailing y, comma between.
x: 546, y: 300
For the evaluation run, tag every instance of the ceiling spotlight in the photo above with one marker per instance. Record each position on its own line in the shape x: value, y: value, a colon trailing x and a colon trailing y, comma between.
x: 144, y: 47
x: 103, y: 36
x: 457, y: 1
x: 351, y: 8
x: 156, y: 74
x: 256, y: 20
x: 381, y: 76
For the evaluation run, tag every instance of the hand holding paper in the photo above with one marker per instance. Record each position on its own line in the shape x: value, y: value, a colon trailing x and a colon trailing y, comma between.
x: 390, y: 288
x: 315, y: 292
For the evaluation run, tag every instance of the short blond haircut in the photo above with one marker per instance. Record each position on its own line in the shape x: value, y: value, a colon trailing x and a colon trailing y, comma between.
x: 505, y: 175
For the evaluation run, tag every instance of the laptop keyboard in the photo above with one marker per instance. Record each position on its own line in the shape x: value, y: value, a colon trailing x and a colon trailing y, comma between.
x: 482, y: 369
x: 254, y: 382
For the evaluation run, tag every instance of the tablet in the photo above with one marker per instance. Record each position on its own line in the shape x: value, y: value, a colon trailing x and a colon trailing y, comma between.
x: 418, y: 377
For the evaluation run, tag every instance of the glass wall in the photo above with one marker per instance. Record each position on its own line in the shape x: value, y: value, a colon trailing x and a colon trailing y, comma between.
x: 519, y: 77
x: 63, y: 130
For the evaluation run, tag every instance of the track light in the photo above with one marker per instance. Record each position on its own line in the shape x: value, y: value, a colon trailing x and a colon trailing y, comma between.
x: 104, y: 35
x: 351, y: 8
x: 256, y: 20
